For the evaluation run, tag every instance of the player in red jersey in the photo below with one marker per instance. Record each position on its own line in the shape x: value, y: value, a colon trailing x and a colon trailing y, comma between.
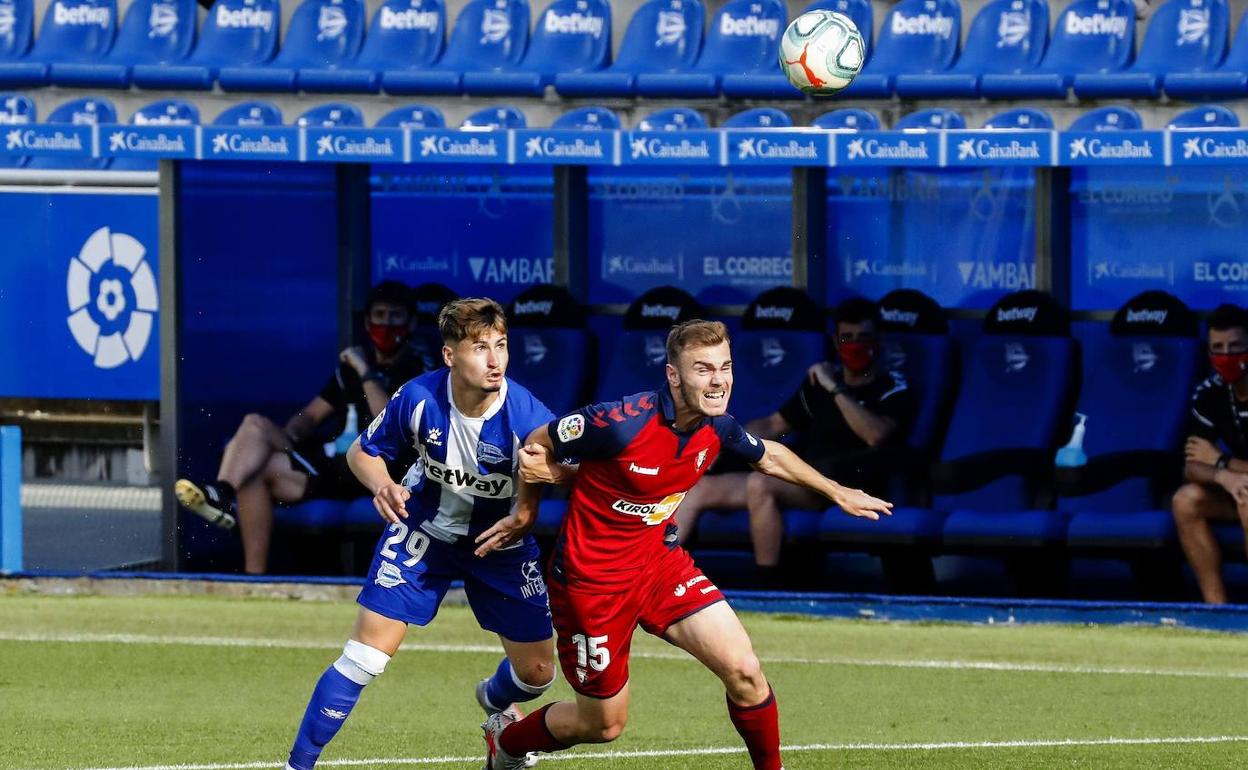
x: 616, y: 564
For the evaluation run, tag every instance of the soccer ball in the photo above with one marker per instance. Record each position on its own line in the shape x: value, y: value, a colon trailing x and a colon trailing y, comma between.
x: 821, y: 52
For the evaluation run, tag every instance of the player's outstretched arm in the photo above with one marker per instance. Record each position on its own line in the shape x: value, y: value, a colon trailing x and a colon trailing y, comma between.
x: 389, y: 498
x: 780, y: 461
x: 537, y: 460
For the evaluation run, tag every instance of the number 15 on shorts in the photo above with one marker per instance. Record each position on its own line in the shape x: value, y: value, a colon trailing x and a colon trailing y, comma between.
x: 592, y: 651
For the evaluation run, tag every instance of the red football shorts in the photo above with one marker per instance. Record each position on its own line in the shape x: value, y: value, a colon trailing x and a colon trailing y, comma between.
x: 595, y: 630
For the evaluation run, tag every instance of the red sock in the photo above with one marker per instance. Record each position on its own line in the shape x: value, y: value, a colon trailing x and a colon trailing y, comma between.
x: 530, y: 734
x: 759, y: 726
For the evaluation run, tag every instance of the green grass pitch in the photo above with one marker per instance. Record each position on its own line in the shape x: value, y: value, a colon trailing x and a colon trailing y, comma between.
x: 216, y: 683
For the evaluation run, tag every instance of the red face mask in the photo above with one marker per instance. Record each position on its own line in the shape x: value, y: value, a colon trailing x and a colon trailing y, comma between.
x: 387, y: 338
x: 1229, y: 366
x: 857, y: 357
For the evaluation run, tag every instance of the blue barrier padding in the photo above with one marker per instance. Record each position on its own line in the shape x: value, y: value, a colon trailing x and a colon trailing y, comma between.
x: 10, y: 499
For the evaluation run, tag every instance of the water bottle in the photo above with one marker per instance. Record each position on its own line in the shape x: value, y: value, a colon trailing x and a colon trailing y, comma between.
x: 1072, y: 455
x: 349, y: 431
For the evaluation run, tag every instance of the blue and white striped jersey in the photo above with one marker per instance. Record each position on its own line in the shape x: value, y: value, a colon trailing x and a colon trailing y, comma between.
x: 461, y: 470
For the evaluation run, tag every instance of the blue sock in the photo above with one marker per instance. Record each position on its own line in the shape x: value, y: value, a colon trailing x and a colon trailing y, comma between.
x: 504, y: 688
x: 332, y: 700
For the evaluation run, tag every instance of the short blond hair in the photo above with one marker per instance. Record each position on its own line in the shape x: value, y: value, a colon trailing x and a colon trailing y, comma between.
x: 694, y: 333
x: 470, y: 318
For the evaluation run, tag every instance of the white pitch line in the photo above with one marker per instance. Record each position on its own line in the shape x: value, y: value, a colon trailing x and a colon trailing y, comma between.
x: 616, y: 755
x: 476, y: 649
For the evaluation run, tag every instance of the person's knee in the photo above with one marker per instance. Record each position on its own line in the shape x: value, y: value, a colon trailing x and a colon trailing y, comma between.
x: 606, y: 729
x: 535, y: 676
x: 361, y: 663
x: 744, y: 675
x: 1188, y: 503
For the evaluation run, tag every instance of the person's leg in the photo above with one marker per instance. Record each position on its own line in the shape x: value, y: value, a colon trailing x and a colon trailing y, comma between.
x: 726, y: 490
x: 766, y: 496
x: 257, y: 439
x: 714, y: 635
x: 277, y: 483
x: 1194, y: 506
x: 523, y: 675
x: 557, y: 726
x: 373, y: 642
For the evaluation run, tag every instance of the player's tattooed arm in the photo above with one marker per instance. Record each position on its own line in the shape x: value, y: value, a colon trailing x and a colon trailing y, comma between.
x: 537, y: 460
x: 389, y: 498
x: 780, y: 461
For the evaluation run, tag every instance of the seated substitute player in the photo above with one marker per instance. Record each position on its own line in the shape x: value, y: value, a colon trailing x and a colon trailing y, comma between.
x: 264, y: 464
x: 616, y: 564
x: 846, y: 412
x: 1217, y: 488
x: 451, y: 518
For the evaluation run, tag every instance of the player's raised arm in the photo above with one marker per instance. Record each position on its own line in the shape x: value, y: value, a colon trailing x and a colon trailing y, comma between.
x: 780, y: 461
x: 537, y: 459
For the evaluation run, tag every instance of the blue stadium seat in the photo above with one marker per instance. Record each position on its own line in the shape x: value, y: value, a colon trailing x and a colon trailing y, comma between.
x: 769, y: 83
x: 1182, y: 36
x: 75, y: 32
x: 16, y: 110
x: 1108, y: 119
x: 167, y: 112
x: 991, y: 460
x: 637, y: 357
x: 672, y: 119
x: 848, y: 118
x: 744, y: 39
x: 1023, y: 117
x: 332, y: 115
x: 550, y: 347
x: 250, y: 114
x: 495, y: 118
x: 18, y: 27
x: 781, y: 337
x: 1007, y: 36
x: 1228, y: 80
x: 237, y: 33
x: 154, y: 32
x: 1205, y: 116
x: 413, y: 116
x: 89, y: 111
x: 588, y: 118
x: 351, y: 64
x: 663, y: 36
x: 932, y: 119
x: 488, y: 35
x: 1145, y: 368
x: 759, y: 117
x: 405, y: 36
x: 322, y: 34
x: 570, y: 36
x: 918, y: 37
x: 1091, y: 36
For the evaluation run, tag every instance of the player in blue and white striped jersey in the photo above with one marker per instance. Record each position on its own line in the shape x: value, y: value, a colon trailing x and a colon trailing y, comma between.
x: 460, y: 512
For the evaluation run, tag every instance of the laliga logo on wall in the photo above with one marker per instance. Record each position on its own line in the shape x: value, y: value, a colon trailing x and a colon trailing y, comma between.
x: 112, y: 298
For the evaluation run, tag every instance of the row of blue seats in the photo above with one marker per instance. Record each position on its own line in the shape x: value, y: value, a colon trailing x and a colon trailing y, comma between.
x: 1009, y: 50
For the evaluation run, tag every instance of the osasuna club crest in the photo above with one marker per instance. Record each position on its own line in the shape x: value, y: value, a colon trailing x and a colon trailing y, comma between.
x: 701, y: 459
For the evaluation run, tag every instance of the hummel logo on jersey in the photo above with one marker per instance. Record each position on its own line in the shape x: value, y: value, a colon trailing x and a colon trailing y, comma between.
x: 635, y: 468
x: 434, y: 437
x: 651, y: 513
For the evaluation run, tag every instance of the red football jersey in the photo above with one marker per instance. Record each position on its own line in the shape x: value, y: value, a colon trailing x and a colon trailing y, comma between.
x: 635, y: 468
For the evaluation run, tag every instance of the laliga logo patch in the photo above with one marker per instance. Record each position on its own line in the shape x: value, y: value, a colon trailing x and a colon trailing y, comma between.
x: 571, y: 428
x: 112, y: 298
x: 375, y: 424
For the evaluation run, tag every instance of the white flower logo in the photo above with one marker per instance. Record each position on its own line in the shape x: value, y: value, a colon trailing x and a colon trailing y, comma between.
x: 112, y: 298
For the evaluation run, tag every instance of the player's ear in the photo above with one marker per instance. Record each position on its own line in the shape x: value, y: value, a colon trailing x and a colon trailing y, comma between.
x: 672, y: 378
x: 448, y: 354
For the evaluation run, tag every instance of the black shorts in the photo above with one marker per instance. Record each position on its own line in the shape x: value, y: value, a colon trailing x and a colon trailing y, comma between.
x: 328, y: 477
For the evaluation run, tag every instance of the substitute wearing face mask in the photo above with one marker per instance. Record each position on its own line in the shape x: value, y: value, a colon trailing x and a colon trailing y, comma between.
x: 265, y: 463
x: 846, y: 409
x: 1216, y: 451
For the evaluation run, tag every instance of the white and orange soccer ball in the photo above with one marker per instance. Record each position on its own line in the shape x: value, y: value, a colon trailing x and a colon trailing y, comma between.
x: 821, y: 52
